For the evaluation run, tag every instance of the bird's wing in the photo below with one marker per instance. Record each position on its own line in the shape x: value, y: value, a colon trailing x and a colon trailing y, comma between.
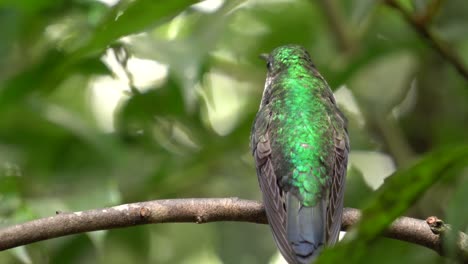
x: 273, y: 197
x: 338, y: 173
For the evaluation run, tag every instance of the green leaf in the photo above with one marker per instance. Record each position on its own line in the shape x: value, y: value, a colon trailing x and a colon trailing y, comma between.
x: 397, y: 194
x: 22, y: 255
x: 136, y: 16
x: 387, y: 75
x: 141, y: 109
x: 29, y: 80
x: 56, y: 66
x: 357, y: 190
x: 456, y: 212
x: 28, y: 6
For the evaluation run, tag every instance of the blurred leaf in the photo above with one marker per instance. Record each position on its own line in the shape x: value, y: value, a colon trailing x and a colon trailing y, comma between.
x: 390, y: 251
x: 392, y: 199
x: 93, y: 66
x: 29, y: 6
x: 29, y: 80
x: 457, y: 215
x: 456, y: 211
x: 9, y: 204
x: 375, y: 166
x: 188, y: 48
x: 22, y: 255
x: 9, y: 34
x: 77, y: 248
x: 140, y: 111
x: 54, y: 68
x: 136, y: 16
x: 45, y: 207
x: 357, y: 190
x: 73, y: 124
x: 362, y: 10
x: 127, y: 245
x: 381, y: 85
x: 99, y: 239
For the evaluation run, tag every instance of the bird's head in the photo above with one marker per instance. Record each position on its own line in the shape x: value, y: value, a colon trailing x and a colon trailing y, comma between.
x: 285, y: 57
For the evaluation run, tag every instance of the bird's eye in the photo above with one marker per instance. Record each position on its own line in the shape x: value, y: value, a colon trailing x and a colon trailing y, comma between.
x: 269, y: 65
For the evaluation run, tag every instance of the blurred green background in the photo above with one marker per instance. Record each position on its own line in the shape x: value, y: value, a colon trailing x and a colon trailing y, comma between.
x: 107, y: 102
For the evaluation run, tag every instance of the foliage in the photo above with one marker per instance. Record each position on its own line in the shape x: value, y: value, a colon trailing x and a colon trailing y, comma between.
x: 102, y: 104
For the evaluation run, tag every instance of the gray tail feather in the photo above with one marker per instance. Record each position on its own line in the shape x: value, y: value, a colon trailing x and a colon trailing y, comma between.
x: 305, y: 228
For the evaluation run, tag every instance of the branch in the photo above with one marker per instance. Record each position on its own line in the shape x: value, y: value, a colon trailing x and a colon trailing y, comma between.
x: 151, y: 212
x: 445, y: 232
x: 429, y: 13
x: 440, y: 46
x: 190, y: 211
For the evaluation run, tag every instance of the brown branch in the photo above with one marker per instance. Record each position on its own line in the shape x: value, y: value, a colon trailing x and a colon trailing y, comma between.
x: 445, y: 232
x: 151, y: 212
x: 429, y: 13
x: 185, y: 210
x: 440, y: 46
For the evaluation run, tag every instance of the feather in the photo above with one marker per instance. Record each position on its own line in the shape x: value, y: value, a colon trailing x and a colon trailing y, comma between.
x: 338, y: 173
x: 305, y: 230
x: 273, y: 197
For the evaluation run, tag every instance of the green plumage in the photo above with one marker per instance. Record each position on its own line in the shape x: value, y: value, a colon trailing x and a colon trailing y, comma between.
x: 302, y: 133
x: 300, y: 145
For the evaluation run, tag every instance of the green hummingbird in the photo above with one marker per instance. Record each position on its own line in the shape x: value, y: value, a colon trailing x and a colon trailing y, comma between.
x: 300, y: 144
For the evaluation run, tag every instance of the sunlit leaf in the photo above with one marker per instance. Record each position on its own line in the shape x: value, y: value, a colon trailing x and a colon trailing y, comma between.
x: 135, y: 17
x: 22, y: 255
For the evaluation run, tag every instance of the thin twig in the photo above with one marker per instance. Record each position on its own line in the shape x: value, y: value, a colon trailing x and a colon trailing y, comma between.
x: 185, y: 210
x: 430, y: 12
x: 439, y: 45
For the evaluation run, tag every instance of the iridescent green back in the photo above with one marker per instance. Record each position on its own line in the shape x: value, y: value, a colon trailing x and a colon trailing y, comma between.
x: 301, y: 126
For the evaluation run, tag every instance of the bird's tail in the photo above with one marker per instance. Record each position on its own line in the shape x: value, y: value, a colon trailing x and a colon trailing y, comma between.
x: 305, y: 228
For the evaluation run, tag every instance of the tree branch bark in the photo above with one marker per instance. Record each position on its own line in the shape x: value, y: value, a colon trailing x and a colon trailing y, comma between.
x: 203, y: 210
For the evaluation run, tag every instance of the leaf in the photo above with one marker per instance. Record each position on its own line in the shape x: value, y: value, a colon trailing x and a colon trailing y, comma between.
x: 386, y: 75
x: 357, y: 190
x: 29, y: 80
x: 395, y: 196
x: 375, y: 166
x: 137, y: 16
x: 456, y: 212
x: 28, y: 6
x: 457, y: 215
x: 92, y: 65
x: 142, y: 108
x: 22, y: 255
x: 56, y: 66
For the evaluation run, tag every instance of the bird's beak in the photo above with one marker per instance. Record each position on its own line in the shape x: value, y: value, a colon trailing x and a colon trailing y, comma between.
x: 264, y: 56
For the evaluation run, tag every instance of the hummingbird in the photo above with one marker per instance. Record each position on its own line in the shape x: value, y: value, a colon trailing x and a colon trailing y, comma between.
x: 300, y: 145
